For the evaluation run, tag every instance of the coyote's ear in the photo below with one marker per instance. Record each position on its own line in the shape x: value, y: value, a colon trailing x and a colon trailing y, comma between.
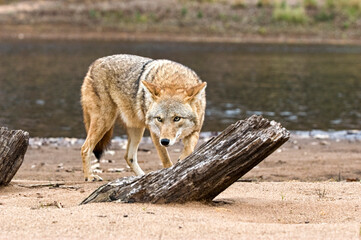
x: 152, y: 89
x: 195, y: 92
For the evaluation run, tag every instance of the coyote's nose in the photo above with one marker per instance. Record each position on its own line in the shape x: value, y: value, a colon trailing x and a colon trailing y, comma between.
x: 164, y: 142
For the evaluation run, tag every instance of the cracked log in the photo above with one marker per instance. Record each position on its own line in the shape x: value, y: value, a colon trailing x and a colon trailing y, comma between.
x: 13, y: 145
x: 204, y: 174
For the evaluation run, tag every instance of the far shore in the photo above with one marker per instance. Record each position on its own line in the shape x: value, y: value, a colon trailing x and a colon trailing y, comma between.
x: 20, y: 32
x: 228, y: 21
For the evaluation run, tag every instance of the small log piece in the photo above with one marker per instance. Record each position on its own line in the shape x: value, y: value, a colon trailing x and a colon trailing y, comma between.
x: 204, y: 174
x: 13, y: 146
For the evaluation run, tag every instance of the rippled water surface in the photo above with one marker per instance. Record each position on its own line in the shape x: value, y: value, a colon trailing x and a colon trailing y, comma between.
x: 303, y: 87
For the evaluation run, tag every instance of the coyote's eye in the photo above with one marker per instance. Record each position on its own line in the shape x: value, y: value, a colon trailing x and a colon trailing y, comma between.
x: 159, y: 119
x: 176, y: 119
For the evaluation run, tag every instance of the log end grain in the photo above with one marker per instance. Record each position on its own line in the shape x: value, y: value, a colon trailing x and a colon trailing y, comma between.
x: 13, y: 146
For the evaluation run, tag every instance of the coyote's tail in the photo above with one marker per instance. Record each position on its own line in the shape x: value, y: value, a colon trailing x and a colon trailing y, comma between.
x: 103, y: 144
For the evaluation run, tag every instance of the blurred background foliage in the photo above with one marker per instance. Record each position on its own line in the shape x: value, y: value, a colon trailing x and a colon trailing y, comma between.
x: 323, y: 18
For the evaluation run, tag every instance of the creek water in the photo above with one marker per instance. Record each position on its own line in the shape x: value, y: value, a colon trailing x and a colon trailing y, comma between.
x: 304, y: 87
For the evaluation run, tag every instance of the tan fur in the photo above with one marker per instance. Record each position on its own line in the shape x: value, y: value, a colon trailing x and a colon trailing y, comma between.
x: 163, y: 96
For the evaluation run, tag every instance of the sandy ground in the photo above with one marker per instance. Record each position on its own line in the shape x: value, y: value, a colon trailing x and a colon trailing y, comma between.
x: 308, y: 189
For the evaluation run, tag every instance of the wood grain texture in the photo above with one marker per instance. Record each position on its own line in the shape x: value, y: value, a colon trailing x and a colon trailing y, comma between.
x: 13, y: 146
x: 204, y: 174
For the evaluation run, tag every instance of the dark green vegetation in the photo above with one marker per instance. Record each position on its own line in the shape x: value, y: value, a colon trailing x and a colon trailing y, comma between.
x: 329, y: 19
x: 223, y: 16
x: 342, y: 12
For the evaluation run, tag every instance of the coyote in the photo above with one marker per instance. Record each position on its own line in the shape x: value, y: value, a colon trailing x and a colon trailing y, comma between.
x: 161, y: 95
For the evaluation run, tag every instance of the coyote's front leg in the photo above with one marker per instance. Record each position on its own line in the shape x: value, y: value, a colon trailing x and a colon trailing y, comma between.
x: 189, y: 144
x: 134, y: 137
x: 162, y: 151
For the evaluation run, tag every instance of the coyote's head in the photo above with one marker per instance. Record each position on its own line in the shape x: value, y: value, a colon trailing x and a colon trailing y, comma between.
x: 172, y: 114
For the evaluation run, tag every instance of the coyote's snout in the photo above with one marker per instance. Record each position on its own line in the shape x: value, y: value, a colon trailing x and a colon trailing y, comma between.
x: 163, y: 96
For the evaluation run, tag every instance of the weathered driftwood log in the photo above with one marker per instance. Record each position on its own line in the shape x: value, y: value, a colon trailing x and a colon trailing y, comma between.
x: 13, y: 145
x: 204, y: 174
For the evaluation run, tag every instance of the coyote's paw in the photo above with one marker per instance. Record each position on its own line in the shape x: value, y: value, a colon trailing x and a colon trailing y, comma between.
x: 93, y: 178
x: 139, y: 172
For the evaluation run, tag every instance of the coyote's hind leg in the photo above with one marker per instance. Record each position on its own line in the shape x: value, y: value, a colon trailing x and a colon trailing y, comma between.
x: 98, y: 124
